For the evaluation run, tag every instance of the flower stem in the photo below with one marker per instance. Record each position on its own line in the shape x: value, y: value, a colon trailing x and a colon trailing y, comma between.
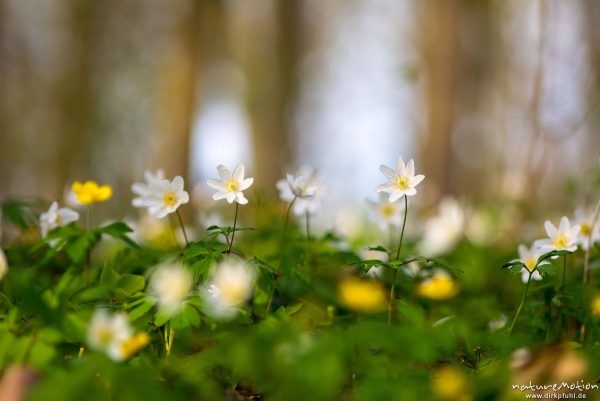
x: 308, y: 256
x: 521, y: 304
x: 393, y: 288
x: 282, y: 249
x: 169, y: 336
x: 182, y: 226
x: 564, y: 275
x: 237, y: 206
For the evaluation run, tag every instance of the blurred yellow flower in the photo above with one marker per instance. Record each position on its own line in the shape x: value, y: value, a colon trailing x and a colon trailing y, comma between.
x: 439, y: 287
x: 449, y: 383
x: 90, y: 192
x: 133, y: 344
x: 362, y: 295
x: 596, y: 305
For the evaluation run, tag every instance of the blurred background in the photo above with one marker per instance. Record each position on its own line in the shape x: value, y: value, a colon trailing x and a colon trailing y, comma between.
x: 493, y: 99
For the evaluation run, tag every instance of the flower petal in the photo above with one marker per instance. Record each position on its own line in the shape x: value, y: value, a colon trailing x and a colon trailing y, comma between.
x: 550, y: 229
x: 177, y: 184
x: 245, y: 184
x: 238, y: 173
x: 216, y: 184
x: 223, y: 172
x: 388, y: 172
x: 410, y: 168
x: 400, y: 167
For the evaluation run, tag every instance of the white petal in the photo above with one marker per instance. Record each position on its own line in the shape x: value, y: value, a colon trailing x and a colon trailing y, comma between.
x: 220, y: 195
x: 417, y: 179
x: 400, y: 167
x: 177, y: 184
x: 230, y: 197
x: 241, y: 199
x: 238, y: 173
x: 387, y: 187
x: 216, y: 184
x: 411, y: 192
x: 563, y: 227
x: 388, y: 172
x: 223, y: 172
x: 550, y: 229
x: 410, y: 168
x: 245, y: 184
x: 183, y: 197
x: 394, y: 196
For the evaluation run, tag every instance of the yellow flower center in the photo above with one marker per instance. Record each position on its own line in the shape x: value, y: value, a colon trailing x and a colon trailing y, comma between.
x: 586, y: 229
x: 530, y: 264
x: 387, y: 210
x: 560, y: 241
x: 232, y: 185
x: 401, y: 182
x: 169, y: 198
x: 105, y: 335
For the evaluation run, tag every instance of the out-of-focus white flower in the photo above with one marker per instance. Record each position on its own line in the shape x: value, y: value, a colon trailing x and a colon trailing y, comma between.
x: 386, y: 213
x: 211, y: 219
x: 170, y: 285
x: 529, y: 258
x: 3, y: 264
x: 230, y: 287
x: 306, y: 187
x: 231, y: 185
x: 443, y: 231
x: 163, y: 197
x: 55, y: 217
x: 114, y: 335
x: 497, y: 324
x: 349, y: 221
x: 107, y: 333
x: 563, y: 238
x: 143, y: 189
x: 401, y: 182
x: 413, y: 270
x: 586, y: 220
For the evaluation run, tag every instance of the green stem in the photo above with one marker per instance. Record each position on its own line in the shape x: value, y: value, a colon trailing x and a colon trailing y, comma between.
x: 182, y: 226
x: 564, y: 275
x: 393, y: 288
x: 169, y: 335
x: 521, y: 304
x: 308, y: 238
x: 282, y: 249
x: 237, y: 206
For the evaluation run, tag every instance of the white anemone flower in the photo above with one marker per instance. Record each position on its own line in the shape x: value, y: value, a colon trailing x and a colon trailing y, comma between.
x: 107, y: 333
x: 164, y: 197
x: 55, y: 217
x: 231, y: 185
x: 385, y: 213
x: 228, y: 289
x: 305, y: 187
x: 401, y: 181
x: 3, y: 265
x: 529, y: 257
x: 143, y: 189
x: 443, y: 231
x: 586, y: 221
x: 170, y: 285
x: 563, y: 238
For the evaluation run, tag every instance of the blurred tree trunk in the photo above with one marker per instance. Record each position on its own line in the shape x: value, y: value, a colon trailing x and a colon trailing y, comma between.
x: 456, y: 45
x: 176, y: 94
x: 268, y: 50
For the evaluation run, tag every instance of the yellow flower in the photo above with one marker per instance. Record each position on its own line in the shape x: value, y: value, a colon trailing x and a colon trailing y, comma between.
x: 596, y: 305
x: 439, y: 287
x: 449, y: 383
x: 90, y: 192
x: 362, y: 295
x: 133, y: 344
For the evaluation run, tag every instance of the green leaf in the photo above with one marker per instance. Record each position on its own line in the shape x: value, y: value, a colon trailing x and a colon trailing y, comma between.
x: 131, y: 283
x: 109, y: 276
x: 118, y: 230
x: 141, y: 309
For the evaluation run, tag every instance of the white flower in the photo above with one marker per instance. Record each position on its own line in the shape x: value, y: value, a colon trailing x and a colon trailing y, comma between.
x: 586, y: 220
x: 229, y: 288
x: 563, y: 238
x: 401, y: 182
x: 231, y: 185
x: 163, y: 197
x: 370, y: 254
x: 143, y: 190
x: 3, y: 265
x: 529, y: 258
x: 55, y: 217
x: 443, y: 231
x: 386, y: 213
x: 107, y: 333
x: 170, y: 285
x: 497, y: 324
x: 305, y: 187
